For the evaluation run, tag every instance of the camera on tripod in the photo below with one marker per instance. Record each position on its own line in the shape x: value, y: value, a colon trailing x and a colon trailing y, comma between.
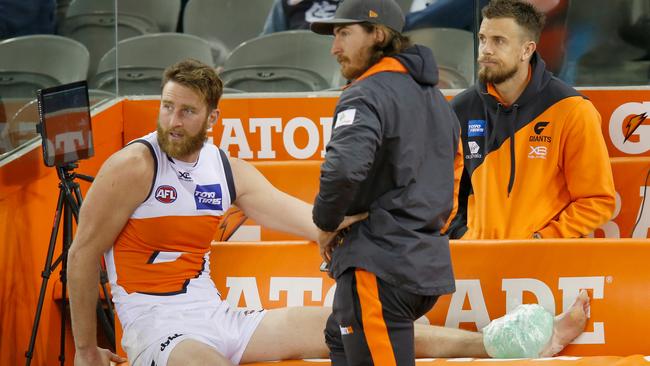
x: 64, y: 113
x: 65, y: 128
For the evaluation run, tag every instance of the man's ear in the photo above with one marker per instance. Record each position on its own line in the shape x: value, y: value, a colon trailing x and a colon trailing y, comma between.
x: 213, y: 116
x: 380, y: 35
x: 529, y: 49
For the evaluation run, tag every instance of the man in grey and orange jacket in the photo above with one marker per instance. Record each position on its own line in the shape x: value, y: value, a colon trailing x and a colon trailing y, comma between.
x: 536, y: 164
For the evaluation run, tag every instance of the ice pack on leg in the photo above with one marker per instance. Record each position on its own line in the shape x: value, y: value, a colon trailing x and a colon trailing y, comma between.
x: 522, y: 333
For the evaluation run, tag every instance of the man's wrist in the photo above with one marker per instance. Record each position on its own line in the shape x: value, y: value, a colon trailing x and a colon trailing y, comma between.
x: 85, y: 348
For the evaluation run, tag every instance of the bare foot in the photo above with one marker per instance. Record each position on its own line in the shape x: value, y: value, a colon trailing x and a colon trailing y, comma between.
x: 568, y: 325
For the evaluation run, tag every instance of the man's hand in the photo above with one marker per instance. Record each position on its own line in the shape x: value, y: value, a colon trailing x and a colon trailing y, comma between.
x: 96, y: 356
x: 326, y: 239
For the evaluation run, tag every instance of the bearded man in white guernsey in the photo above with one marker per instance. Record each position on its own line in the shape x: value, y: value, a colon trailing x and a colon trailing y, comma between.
x: 153, y: 211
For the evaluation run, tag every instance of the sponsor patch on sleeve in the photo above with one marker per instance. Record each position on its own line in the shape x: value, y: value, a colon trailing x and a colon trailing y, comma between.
x: 345, y: 118
x: 475, y: 127
x: 208, y: 197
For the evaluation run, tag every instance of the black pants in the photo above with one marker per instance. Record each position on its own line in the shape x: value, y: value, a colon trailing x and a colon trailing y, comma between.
x: 372, y: 321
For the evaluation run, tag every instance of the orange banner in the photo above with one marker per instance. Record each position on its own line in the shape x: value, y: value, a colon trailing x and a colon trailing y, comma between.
x: 624, y: 112
x: 492, y: 277
x: 297, y: 128
x: 631, y: 181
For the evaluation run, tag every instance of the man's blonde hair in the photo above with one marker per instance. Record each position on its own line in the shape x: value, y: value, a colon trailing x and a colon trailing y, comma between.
x: 197, y: 76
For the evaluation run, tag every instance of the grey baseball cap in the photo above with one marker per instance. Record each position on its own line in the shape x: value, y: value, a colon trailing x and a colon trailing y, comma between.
x: 385, y: 12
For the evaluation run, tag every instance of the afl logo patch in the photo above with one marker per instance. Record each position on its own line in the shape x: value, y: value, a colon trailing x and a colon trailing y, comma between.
x: 166, y: 194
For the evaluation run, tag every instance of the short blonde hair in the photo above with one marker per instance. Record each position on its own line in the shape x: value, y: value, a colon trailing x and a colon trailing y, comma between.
x: 197, y: 76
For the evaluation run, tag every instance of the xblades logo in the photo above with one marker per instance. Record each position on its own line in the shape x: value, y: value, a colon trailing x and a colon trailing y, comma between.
x: 539, y: 127
x: 633, y: 123
x: 184, y: 176
x: 537, y: 152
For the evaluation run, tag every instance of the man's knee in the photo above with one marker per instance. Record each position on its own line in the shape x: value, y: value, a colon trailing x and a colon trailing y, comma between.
x: 333, y: 336
x: 191, y: 352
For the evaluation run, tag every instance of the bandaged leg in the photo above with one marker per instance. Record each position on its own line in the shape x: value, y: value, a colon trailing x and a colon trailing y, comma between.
x: 523, y: 333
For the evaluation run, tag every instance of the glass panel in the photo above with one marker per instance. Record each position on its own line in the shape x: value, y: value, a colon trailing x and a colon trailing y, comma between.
x: 608, y: 43
x: 595, y: 42
x: 448, y: 28
x: 148, y: 42
x: 599, y: 42
x: 44, y: 43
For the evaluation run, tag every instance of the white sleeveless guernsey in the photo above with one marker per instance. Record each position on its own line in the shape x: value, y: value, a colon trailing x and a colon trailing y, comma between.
x: 161, y: 257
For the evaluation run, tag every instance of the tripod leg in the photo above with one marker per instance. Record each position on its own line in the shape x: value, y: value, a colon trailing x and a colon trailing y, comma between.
x: 47, y: 270
x: 67, y: 241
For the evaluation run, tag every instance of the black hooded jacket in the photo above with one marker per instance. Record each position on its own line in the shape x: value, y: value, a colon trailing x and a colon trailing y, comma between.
x: 392, y: 155
x: 539, y: 165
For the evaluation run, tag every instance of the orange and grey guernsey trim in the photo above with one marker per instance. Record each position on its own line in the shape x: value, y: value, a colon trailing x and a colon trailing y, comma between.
x: 372, y: 318
x: 139, y: 251
x: 163, y: 248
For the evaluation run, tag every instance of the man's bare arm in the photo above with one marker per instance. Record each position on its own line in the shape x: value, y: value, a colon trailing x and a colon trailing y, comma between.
x: 121, y: 185
x: 274, y: 209
x: 267, y: 205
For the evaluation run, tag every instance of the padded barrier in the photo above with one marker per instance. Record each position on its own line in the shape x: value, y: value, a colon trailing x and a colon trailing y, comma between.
x: 491, y: 278
x: 300, y: 178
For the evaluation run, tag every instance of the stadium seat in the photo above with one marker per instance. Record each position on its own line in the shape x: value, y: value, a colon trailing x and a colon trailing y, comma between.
x: 143, y: 59
x: 225, y: 23
x: 453, y: 50
x: 273, y: 79
x: 93, y: 24
x: 32, y: 62
x: 286, y: 52
x: 449, y: 78
x: 163, y: 13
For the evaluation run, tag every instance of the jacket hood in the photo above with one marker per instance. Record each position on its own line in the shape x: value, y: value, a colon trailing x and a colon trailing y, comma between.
x: 420, y: 64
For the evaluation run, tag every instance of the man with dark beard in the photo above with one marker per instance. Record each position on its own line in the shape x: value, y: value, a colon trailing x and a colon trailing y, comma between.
x: 536, y: 164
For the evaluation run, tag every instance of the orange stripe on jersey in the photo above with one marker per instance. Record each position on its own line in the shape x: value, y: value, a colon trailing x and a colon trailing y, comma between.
x: 372, y: 317
x: 143, y: 240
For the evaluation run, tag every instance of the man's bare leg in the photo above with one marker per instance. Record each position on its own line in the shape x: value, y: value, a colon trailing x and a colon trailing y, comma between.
x: 194, y: 353
x: 441, y: 342
x: 568, y: 325
x: 289, y: 333
x: 297, y: 333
